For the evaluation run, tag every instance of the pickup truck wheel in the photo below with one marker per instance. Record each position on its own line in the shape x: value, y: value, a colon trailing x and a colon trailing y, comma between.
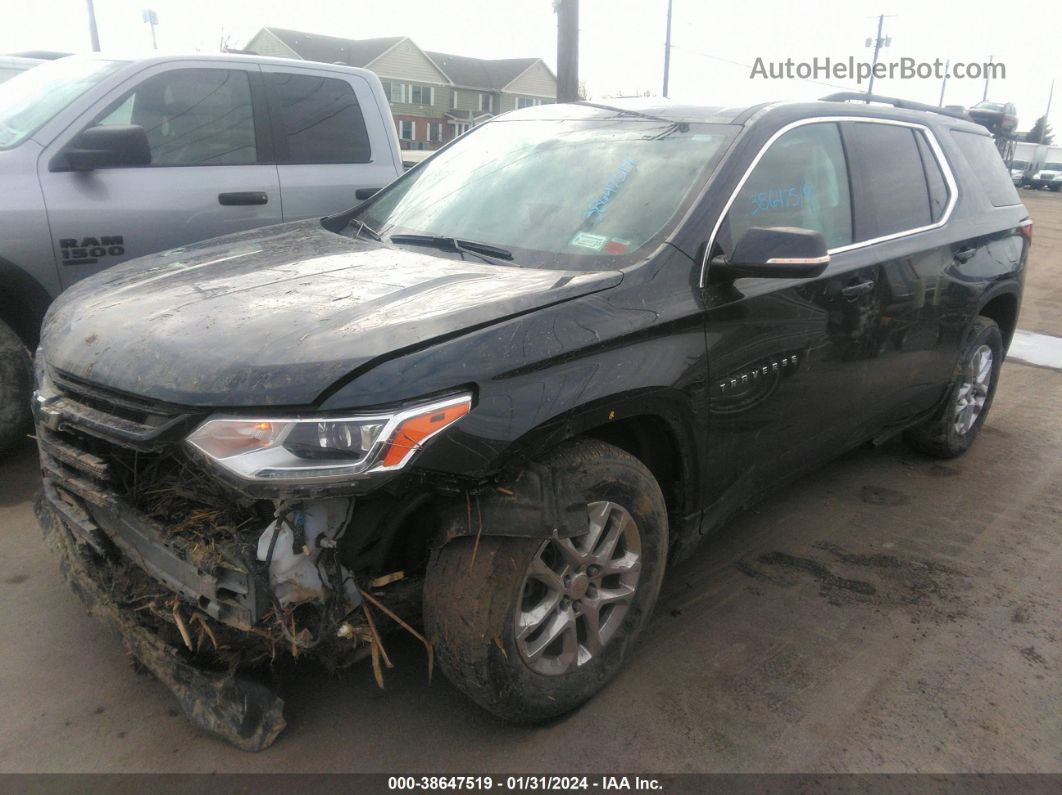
x: 531, y: 628
x: 953, y: 429
x: 16, y: 387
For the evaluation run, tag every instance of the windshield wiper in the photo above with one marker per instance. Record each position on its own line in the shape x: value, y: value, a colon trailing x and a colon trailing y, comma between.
x: 481, y: 250
x: 368, y: 230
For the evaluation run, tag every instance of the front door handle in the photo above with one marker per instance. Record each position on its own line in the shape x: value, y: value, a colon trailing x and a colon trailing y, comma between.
x: 365, y: 193
x: 854, y: 290
x: 965, y: 254
x: 242, y: 198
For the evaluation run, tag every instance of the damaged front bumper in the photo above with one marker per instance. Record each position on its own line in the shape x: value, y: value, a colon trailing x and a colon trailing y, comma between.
x: 225, y: 703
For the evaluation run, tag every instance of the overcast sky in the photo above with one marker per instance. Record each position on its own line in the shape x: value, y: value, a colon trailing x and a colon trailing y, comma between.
x: 621, y: 41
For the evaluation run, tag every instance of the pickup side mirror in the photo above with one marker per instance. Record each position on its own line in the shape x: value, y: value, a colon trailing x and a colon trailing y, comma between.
x: 780, y: 252
x: 105, y: 147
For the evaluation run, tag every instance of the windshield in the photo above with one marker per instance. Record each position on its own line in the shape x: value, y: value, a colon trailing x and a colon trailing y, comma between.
x: 1019, y: 163
x: 1053, y: 167
x: 552, y: 191
x: 997, y: 107
x: 29, y: 101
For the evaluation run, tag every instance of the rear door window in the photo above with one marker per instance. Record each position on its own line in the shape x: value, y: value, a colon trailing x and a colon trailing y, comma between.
x: 193, y: 117
x: 801, y: 181
x: 319, y: 120
x: 981, y: 153
x: 888, y: 178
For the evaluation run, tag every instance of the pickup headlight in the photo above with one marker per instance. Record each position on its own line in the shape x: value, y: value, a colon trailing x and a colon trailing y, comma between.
x: 323, y: 448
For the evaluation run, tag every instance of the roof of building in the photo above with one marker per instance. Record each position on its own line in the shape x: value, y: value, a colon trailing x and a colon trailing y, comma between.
x: 462, y: 70
x: 332, y: 49
x: 480, y: 72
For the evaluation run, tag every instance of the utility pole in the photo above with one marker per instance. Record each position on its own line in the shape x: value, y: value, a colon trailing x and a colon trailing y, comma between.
x: 944, y: 84
x: 1050, y: 96
x: 878, y: 43
x: 150, y: 17
x: 667, y: 49
x: 988, y: 76
x: 567, y: 50
x: 94, y: 34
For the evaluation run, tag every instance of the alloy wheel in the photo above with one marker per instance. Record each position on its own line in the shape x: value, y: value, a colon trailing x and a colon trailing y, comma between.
x: 577, y: 591
x: 972, y: 394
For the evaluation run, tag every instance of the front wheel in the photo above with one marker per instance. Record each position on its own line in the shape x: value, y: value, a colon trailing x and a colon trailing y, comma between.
x: 530, y: 628
x: 953, y: 429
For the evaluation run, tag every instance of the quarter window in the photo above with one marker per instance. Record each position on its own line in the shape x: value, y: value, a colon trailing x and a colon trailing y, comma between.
x: 800, y: 181
x: 320, y: 120
x: 889, y: 179
x: 193, y: 117
x: 987, y: 165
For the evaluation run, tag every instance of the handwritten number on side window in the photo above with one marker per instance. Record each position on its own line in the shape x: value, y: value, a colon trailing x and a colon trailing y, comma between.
x: 785, y: 198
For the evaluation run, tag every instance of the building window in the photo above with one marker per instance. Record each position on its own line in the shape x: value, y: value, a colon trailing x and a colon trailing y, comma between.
x: 486, y: 102
x: 460, y: 127
x: 405, y: 130
x: 453, y: 99
x: 527, y: 102
x: 396, y: 92
x: 422, y: 95
x: 435, y: 132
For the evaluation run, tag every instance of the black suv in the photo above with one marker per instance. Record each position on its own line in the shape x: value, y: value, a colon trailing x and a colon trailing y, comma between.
x: 496, y: 399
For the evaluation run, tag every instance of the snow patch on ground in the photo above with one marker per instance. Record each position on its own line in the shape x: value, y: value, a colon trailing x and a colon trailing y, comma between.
x: 1040, y: 349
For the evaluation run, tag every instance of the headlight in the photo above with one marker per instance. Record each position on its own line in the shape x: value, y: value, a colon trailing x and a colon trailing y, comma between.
x: 323, y: 448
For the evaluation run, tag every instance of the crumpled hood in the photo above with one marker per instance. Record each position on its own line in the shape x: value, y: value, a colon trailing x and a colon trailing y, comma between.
x: 276, y: 316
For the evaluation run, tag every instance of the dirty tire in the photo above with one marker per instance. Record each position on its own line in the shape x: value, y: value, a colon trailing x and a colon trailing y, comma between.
x: 471, y: 596
x: 938, y: 436
x: 16, y: 387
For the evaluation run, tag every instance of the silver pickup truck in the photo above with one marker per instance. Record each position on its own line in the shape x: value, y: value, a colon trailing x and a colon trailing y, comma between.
x: 104, y: 159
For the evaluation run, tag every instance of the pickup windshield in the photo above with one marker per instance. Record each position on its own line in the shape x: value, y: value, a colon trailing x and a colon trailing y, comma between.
x: 578, y: 193
x: 30, y: 100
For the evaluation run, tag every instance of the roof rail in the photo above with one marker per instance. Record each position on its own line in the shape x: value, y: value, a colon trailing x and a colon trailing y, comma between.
x: 904, y: 104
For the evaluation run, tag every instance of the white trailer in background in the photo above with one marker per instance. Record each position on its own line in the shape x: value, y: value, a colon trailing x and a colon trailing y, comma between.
x: 1048, y: 173
x: 1026, y: 159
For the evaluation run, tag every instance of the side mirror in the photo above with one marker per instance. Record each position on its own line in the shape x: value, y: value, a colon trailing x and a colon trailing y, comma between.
x: 105, y: 147
x: 780, y: 252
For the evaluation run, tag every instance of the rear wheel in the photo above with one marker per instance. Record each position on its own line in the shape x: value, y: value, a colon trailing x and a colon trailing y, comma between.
x: 953, y: 429
x: 530, y: 628
x: 16, y: 387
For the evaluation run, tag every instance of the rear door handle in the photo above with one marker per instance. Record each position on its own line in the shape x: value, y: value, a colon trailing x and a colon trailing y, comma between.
x: 365, y: 193
x: 853, y: 290
x: 241, y: 198
x: 965, y: 254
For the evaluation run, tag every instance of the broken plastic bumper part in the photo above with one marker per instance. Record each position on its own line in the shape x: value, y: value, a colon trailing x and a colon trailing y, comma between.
x: 241, y: 711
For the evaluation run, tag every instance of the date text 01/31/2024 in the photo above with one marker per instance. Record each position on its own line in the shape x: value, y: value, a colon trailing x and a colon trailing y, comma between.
x: 524, y: 783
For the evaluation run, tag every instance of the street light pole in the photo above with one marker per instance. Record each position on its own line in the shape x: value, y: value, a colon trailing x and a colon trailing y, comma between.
x: 152, y: 19
x: 94, y: 34
x: 878, y: 42
x: 944, y: 84
x: 1050, y: 96
x: 667, y: 49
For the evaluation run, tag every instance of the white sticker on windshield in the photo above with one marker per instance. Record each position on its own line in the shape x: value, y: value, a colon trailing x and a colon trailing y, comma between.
x: 586, y: 240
